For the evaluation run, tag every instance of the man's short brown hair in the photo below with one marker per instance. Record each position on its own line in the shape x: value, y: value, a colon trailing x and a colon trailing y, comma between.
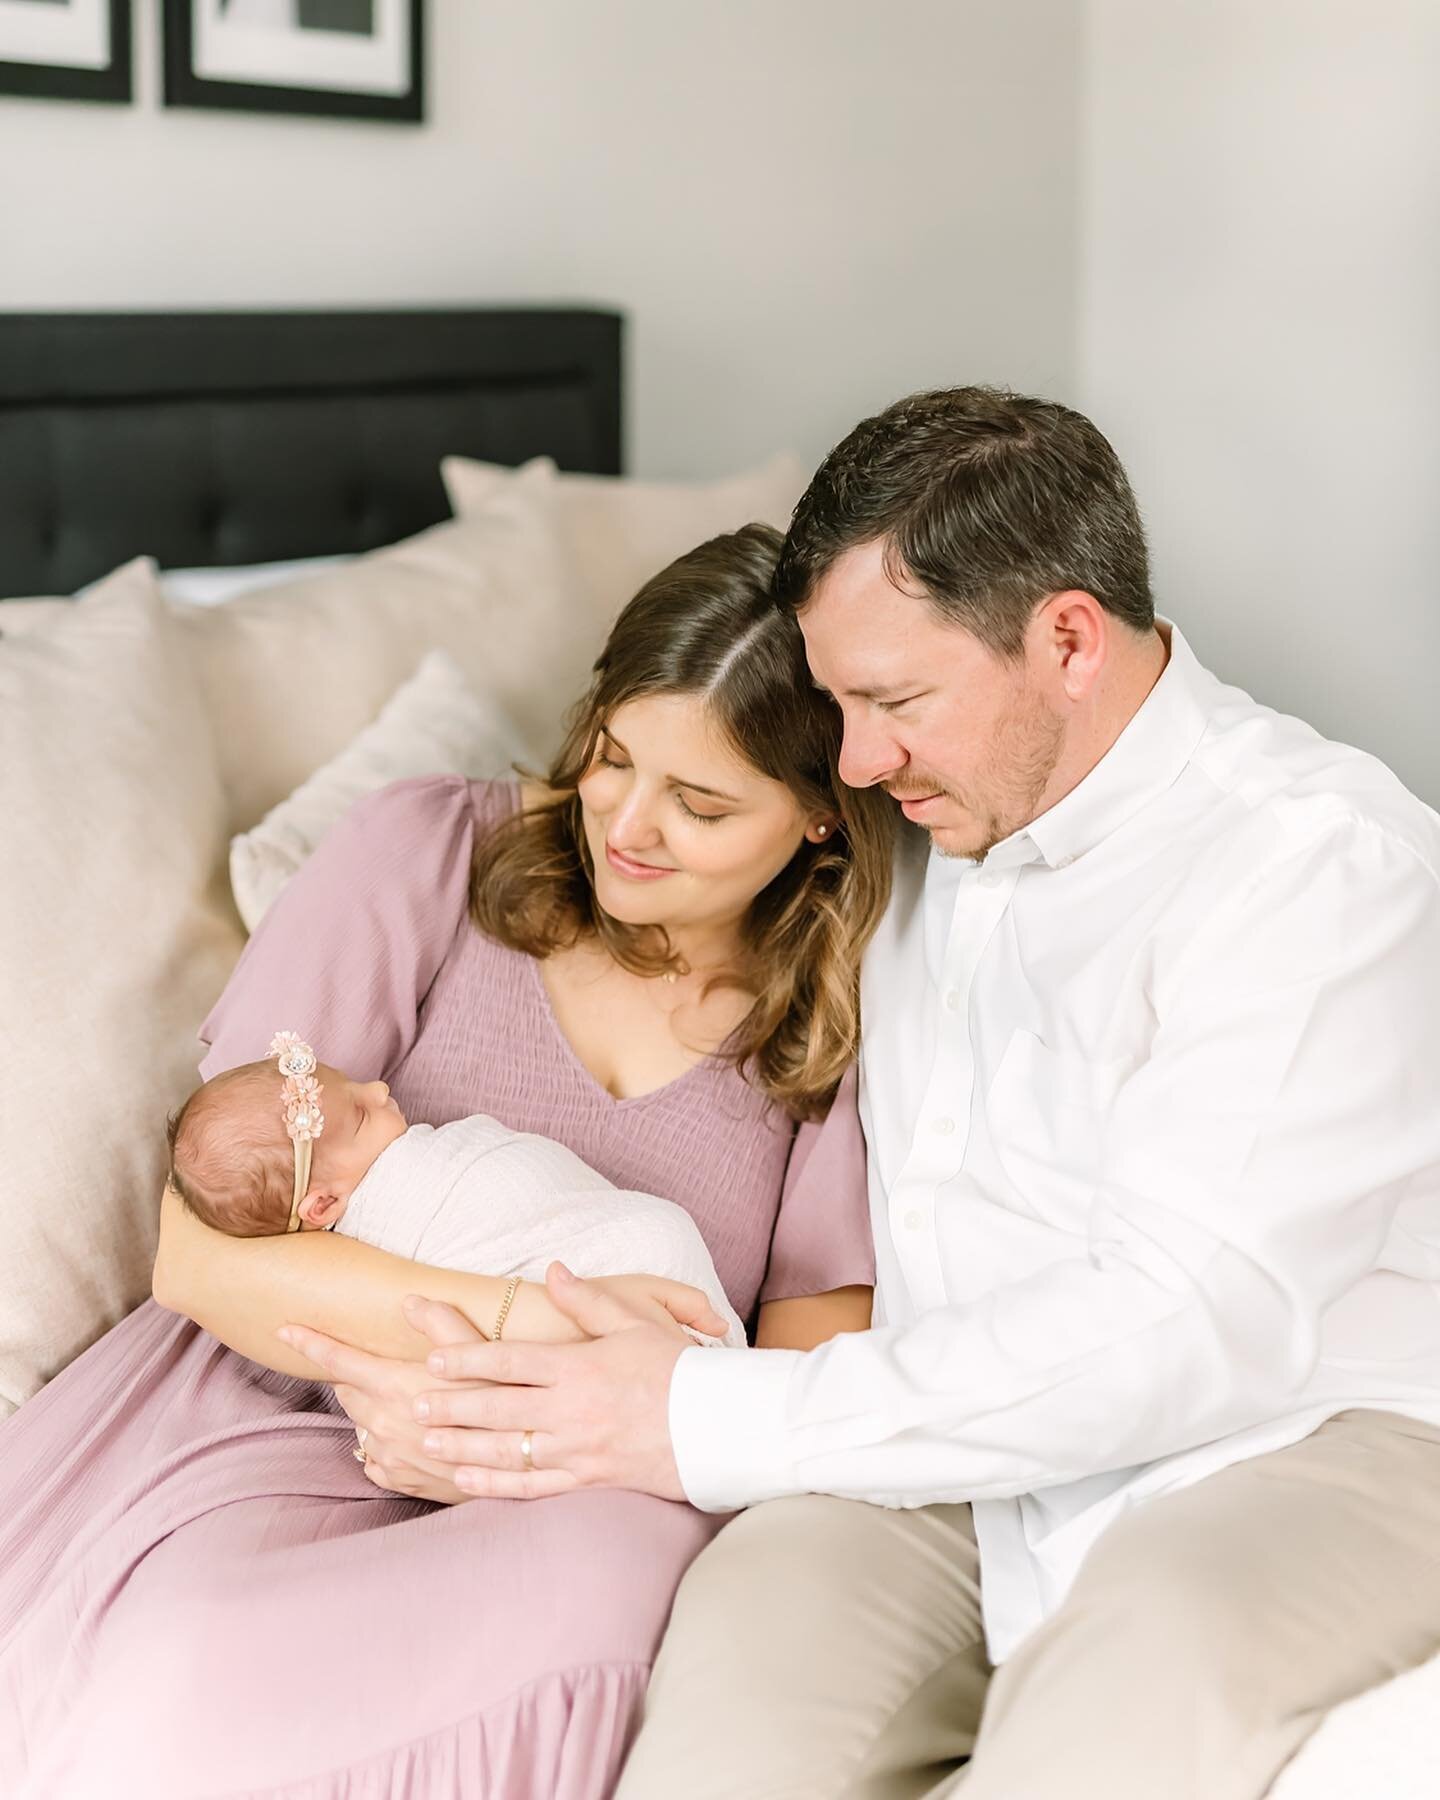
x: 991, y: 501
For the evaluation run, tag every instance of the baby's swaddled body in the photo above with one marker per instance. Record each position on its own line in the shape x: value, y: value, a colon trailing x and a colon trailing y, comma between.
x: 475, y: 1195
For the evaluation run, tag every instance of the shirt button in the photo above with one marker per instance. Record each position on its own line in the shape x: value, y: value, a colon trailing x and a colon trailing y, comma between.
x: 991, y: 878
x: 944, y: 1126
x: 913, y: 1221
x: 952, y: 1000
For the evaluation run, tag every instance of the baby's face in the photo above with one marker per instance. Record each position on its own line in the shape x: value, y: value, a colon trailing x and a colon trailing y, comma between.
x: 361, y: 1120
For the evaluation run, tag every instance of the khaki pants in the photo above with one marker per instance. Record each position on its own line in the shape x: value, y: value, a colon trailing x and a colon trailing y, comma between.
x: 823, y: 1648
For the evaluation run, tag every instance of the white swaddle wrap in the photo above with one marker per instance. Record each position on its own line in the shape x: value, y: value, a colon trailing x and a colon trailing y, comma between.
x: 475, y: 1195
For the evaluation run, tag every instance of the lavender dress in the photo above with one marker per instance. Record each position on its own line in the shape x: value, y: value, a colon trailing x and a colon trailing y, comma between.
x: 200, y: 1593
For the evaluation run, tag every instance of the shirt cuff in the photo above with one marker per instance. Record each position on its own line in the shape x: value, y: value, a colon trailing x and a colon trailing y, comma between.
x: 727, y: 1426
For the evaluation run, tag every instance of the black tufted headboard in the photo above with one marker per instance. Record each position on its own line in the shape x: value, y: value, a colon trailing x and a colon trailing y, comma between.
x: 212, y: 439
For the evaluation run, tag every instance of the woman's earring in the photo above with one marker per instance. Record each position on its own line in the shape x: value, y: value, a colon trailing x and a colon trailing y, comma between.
x: 821, y: 830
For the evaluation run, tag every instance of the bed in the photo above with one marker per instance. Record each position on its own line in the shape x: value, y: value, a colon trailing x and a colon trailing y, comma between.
x: 207, y: 439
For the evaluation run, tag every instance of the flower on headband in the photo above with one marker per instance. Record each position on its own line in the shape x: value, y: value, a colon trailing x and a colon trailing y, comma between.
x: 303, y: 1117
x: 299, y: 1090
x: 292, y: 1054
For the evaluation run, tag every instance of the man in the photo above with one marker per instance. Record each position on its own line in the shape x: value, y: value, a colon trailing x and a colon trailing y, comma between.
x: 1151, y: 1088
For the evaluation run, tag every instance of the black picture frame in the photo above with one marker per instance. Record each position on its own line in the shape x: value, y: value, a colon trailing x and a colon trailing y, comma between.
x: 183, y: 87
x: 59, y: 81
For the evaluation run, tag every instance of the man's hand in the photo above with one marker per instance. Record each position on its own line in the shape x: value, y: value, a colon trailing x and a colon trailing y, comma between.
x: 597, y: 1413
x: 377, y: 1392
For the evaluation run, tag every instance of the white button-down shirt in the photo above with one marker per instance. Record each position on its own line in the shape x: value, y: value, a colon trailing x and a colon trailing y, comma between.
x: 1152, y: 1100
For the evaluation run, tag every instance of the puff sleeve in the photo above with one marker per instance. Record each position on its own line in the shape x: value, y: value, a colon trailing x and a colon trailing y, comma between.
x: 347, y: 952
x: 822, y: 1232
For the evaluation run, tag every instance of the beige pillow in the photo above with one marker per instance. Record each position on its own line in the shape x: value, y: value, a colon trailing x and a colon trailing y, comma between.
x: 20, y: 616
x: 291, y: 675
x: 620, y: 532
x: 433, y: 725
x: 117, y: 934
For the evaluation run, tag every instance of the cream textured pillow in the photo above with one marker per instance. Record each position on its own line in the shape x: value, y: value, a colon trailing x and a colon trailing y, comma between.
x: 19, y: 616
x: 620, y: 532
x: 117, y: 935
x: 433, y: 725
x: 289, y: 676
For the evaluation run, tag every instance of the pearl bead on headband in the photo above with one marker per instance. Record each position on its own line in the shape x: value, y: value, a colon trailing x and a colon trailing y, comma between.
x: 300, y: 1096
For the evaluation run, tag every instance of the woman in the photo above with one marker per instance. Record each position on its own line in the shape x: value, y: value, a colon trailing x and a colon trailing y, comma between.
x: 652, y: 958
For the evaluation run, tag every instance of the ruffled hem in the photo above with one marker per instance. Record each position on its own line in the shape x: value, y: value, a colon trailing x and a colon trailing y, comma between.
x: 562, y: 1737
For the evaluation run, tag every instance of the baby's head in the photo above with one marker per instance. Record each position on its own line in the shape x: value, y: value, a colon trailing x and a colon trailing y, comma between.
x: 233, y: 1159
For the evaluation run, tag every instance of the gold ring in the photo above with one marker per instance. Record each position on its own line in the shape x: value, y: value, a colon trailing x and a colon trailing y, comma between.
x: 527, y: 1444
x: 359, y: 1451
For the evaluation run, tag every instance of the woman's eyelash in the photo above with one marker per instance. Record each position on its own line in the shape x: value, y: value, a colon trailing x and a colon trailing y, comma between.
x: 609, y: 762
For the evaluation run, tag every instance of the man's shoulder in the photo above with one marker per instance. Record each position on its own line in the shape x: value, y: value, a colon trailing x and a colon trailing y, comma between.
x: 1287, y: 788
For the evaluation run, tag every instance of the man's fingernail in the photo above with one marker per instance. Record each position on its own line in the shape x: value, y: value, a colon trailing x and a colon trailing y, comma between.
x: 435, y: 1363
x: 422, y: 1409
x: 562, y: 1273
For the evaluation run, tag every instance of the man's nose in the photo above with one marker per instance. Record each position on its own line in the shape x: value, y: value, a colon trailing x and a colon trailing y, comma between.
x: 868, y: 754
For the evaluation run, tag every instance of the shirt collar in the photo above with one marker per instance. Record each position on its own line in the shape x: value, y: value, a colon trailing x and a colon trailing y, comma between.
x: 1147, y: 757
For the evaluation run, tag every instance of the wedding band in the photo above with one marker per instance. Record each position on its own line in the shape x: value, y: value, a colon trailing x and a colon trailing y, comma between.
x: 527, y: 1444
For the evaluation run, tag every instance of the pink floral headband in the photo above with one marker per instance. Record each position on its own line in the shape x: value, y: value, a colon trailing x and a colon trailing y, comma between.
x: 300, y: 1095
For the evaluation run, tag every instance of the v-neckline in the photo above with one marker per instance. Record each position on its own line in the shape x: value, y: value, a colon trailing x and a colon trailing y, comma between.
x: 583, y: 1069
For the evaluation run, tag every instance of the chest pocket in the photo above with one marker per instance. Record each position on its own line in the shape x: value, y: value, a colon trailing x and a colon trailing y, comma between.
x: 1047, y: 1112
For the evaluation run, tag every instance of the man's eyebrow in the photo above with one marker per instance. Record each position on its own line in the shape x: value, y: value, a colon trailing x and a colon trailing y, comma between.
x: 676, y: 780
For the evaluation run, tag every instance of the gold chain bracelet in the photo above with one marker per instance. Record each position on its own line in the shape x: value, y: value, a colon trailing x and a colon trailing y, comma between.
x: 505, y: 1306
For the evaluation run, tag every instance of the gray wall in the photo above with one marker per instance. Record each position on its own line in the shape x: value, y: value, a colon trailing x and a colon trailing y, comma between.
x: 806, y: 206
x: 1260, y: 337
x: 1213, y: 223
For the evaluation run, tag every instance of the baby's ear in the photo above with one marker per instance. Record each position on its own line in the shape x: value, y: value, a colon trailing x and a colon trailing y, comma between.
x: 320, y: 1208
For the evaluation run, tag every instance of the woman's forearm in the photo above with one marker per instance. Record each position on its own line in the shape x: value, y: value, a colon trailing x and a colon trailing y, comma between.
x: 242, y: 1289
x: 813, y: 1319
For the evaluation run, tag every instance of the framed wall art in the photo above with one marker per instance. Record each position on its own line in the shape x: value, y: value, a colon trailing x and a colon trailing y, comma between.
x: 65, y: 49
x: 353, y: 59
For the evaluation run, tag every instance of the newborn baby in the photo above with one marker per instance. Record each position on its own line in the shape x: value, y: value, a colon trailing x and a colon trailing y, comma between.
x: 263, y: 1150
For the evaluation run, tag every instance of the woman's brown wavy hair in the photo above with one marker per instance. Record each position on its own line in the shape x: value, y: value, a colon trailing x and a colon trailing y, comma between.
x: 708, y: 625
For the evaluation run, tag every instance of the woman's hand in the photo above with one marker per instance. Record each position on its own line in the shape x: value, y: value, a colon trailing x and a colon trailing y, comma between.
x: 378, y: 1393
x: 679, y: 1308
x: 674, y: 1305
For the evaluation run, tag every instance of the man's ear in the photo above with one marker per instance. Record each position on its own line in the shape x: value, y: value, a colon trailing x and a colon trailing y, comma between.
x: 1079, y: 633
x: 320, y: 1207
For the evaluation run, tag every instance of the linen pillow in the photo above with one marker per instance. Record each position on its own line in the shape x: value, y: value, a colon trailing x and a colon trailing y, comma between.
x: 433, y: 725
x: 213, y: 587
x: 619, y: 532
x: 289, y: 676
x: 118, y: 934
x: 20, y: 616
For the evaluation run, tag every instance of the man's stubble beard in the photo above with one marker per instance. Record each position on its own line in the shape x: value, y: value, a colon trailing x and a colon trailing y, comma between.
x: 1028, y: 748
